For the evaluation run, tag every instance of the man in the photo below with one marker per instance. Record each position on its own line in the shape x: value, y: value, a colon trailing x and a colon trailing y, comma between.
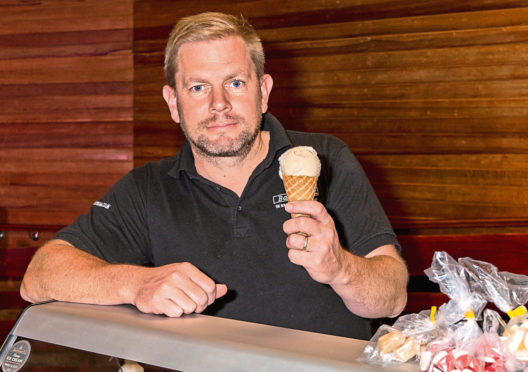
x: 204, y: 231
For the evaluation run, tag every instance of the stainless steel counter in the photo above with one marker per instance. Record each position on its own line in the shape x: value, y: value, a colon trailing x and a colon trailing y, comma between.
x: 190, y: 343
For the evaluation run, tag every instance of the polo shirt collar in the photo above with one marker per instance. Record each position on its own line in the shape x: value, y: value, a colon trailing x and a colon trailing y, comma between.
x: 279, y: 140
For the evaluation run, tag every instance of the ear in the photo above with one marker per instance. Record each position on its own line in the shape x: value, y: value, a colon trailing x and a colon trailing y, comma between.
x: 169, y: 95
x: 266, y: 83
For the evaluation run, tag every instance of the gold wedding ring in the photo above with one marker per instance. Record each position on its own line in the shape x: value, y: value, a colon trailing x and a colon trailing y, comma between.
x: 305, y: 243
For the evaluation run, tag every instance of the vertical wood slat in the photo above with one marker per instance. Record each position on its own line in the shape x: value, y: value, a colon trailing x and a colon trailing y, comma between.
x: 439, y: 82
x: 66, y: 117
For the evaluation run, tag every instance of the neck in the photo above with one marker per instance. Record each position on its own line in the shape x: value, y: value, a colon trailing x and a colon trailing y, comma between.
x: 233, y: 172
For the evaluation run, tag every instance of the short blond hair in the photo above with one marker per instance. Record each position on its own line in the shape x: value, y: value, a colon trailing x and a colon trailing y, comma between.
x: 211, y: 26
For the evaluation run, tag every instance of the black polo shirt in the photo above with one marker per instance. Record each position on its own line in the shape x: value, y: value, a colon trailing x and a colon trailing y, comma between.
x: 165, y: 212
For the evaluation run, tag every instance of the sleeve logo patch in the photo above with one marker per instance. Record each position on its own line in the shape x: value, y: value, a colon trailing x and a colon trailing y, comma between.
x: 103, y: 205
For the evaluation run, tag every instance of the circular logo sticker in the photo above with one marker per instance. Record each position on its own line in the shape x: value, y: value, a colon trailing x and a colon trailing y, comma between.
x: 16, y: 357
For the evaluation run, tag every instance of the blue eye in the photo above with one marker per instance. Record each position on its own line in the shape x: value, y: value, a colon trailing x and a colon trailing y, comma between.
x: 237, y: 83
x: 197, y: 88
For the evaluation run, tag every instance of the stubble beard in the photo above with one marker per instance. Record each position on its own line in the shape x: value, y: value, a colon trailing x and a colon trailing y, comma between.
x: 225, y: 147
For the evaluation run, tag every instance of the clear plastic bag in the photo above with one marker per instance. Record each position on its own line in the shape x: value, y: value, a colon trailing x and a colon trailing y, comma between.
x: 456, y: 282
x: 402, y: 342
x: 509, y: 292
x: 451, y: 339
x: 458, y: 317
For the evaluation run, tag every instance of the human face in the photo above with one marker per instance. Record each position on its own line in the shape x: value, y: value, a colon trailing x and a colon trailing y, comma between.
x: 218, y: 100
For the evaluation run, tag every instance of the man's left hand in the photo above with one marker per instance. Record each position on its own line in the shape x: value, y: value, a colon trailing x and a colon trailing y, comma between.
x: 313, y: 241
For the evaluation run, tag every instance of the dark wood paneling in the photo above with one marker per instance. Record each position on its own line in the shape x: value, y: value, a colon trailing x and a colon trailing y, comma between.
x: 486, y: 247
x: 430, y: 97
x: 66, y: 118
x: 18, y: 243
x: 504, y: 251
x: 66, y: 122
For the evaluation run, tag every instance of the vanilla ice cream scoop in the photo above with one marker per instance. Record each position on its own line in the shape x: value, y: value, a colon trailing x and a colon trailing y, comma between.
x: 299, y: 168
x: 300, y: 161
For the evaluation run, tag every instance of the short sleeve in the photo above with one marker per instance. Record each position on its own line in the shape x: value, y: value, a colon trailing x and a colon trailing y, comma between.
x: 359, y: 216
x: 114, y: 229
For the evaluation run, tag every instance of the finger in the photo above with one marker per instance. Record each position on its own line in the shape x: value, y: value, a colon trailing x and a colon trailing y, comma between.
x: 209, y: 288
x: 307, y: 207
x: 298, y: 257
x: 298, y: 241
x: 197, y: 295
x: 170, y: 309
x: 184, y: 301
x: 221, y: 290
x: 299, y: 225
x: 207, y: 285
x: 313, y: 208
x: 192, y: 298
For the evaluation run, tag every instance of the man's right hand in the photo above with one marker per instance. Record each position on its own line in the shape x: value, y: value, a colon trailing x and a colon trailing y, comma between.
x: 59, y: 271
x: 176, y: 289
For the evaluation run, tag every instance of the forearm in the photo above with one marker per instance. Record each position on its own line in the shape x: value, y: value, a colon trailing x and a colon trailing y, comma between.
x: 58, y: 271
x: 372, y: 287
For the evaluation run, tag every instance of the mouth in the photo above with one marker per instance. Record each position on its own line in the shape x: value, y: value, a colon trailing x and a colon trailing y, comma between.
x: 221, y: 126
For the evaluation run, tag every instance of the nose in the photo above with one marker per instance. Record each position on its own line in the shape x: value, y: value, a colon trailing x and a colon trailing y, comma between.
x: 220, y: 100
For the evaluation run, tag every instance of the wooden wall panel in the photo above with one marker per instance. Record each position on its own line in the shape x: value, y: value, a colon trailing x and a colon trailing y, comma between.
x: 431, y: 96
x: 66, y: 117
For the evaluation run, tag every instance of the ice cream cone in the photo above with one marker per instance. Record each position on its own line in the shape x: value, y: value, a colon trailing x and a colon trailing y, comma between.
x: 299, y: 168
x: 299, y: 188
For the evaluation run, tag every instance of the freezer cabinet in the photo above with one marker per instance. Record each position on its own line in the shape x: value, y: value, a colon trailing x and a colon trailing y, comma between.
x: 59, y: 336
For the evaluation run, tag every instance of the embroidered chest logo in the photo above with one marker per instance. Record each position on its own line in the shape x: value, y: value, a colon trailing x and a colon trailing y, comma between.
x: 280, y: 200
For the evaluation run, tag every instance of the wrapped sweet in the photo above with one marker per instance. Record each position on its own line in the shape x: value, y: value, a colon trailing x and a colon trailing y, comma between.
x: 453, y: 325
x: 390, y: 341
x: 490, y: 350
x: 516, y: 335
x: 451, y: 339
x: 458, y: 317
x: 447, y: 355
x: 401, y: 342
x: 509, y: 292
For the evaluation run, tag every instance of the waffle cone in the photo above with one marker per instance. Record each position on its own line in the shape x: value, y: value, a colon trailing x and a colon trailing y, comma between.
x: 299, y: 188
